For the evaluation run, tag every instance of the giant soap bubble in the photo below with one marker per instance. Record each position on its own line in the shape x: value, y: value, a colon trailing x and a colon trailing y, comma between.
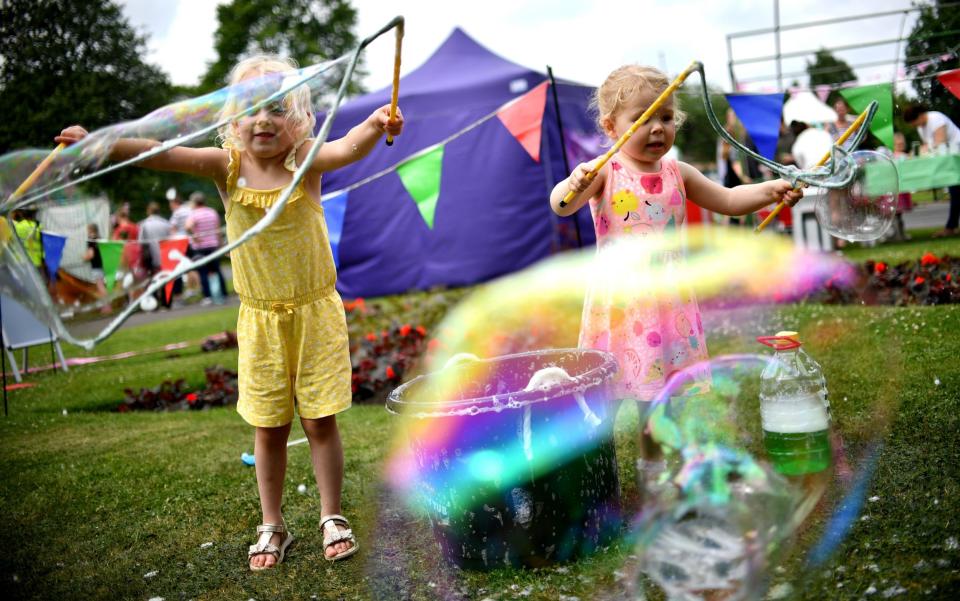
x: 510, y: 459
x: 865, y: 209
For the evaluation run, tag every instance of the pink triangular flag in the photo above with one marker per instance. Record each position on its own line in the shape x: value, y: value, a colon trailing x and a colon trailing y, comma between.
x: 823, y: 92
x: 951, y: 81
x: 523, y: 119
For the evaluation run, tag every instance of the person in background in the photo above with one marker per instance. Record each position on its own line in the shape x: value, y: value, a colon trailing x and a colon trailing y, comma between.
x: 729, y: 168
x: 92, y: 256
x: 29, y: 231
x: 204, y: 229
x: 153, y: 229
x: 938, y: 134
x: 179, y: 214
x: 904, y: 199
x: 127, y: 231
x: 843, y: 121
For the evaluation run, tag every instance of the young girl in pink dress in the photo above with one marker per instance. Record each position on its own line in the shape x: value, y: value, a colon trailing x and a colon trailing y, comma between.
x: 638, y: 192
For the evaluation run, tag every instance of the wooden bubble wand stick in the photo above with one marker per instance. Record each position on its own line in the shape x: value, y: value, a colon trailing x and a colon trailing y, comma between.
x: 396, y: 79
x: 653, y: 108
x: 823, y: 161
x: 37, y: 172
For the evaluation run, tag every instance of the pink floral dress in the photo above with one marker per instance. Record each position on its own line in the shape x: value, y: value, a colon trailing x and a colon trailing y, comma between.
x: 658, y: 333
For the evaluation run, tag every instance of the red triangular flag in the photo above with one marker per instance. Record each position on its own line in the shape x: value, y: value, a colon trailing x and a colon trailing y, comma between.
x: 172, y: 251
x: 951, y: 81
x: 523, y: 118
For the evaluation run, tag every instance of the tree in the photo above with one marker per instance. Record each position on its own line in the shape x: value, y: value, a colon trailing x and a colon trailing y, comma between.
x: 696, y: 138
x: 309, y: 32
x: 64, y: 62
x: 827, y: 69
x: 935, y: 35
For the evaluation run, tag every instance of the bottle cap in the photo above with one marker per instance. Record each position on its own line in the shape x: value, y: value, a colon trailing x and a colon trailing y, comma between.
x: 783, y: 341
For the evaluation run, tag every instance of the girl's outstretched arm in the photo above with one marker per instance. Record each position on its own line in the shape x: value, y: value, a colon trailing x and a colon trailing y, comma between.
x: 358, y: 142
x: 741, y: 200
x: 583, y: 189
x: 208, y: 162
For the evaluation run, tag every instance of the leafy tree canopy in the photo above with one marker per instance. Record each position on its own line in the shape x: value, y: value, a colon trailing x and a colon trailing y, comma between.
x: 827, y: 69
x: 310, y: 32
x: 64, y: 62
x: 935, y: 33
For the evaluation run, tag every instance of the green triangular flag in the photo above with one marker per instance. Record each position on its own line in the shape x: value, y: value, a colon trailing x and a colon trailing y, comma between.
x: 110, y: 255
x: 421, y: 177
x: 882, y: 124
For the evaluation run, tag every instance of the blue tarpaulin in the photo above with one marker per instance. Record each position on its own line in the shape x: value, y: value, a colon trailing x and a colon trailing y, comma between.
x: 492, y: 216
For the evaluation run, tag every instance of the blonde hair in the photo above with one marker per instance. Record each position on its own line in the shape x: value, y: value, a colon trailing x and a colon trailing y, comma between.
x: 622, y: 84
x: 296, y: 103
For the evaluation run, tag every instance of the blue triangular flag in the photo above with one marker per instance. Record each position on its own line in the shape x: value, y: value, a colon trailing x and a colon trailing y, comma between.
x: 334, y: 211
x: 760, y: 115
x: 52, y: 252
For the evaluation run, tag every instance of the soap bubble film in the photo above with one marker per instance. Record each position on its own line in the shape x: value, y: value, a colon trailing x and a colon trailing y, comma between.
x: 866, y: 208
x: 65, y: 206
x: 506, y: 444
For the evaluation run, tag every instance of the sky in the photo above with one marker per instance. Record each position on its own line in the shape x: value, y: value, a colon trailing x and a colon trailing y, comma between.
x: 581, y: 40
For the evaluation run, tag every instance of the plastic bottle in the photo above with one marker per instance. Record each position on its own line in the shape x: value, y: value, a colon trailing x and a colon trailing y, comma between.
x: 794, y: 410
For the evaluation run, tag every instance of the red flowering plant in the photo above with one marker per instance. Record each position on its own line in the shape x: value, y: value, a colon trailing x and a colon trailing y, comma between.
x: 380, y: 360
x: 220, y: 390
x: 930, y: 280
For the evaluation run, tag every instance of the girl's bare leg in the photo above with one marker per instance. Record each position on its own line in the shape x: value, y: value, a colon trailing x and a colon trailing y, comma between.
x: 270, y: 453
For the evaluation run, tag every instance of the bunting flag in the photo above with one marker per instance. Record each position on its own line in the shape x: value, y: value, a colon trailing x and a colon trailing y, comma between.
x: 760, y: 115
x: 523, y: 118
x: 951, y: 81
x: 859, y: 98
x: 110, y: 255
x: 823, y: 92
x: 421, y: 177
x: 52, y: 252
x: 172, y: 251
x: 334, y: 211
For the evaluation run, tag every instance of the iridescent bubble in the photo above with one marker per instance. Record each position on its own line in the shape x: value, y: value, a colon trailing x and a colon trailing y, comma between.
x: 866, y: 208
x: 483, y: 437
x: 64, y: 206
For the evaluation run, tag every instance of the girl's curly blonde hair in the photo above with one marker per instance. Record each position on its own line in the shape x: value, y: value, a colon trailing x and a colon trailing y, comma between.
x: 296, y: 103
x: 622, y: 84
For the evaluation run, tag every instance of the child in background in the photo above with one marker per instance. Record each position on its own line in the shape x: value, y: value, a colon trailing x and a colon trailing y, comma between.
x: 904, y: 199
x: 640, y: 193
x: 92, y: 256
x: 291, y: 329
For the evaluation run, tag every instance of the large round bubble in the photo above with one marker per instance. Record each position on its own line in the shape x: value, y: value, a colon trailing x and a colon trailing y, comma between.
x: 865, y: 209
x: 508, y: 437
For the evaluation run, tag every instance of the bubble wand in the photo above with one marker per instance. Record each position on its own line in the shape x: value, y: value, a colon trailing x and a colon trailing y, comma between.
x: 23, y: 187
x: 396, y: 78
x: 823, y: 161
x: 653, y: 108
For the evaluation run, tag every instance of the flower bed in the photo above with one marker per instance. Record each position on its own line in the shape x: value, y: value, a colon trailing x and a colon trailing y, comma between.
x: 930, y: 280
x: 221, y: 389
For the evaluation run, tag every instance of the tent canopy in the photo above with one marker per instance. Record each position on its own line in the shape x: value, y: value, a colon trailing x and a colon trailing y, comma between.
x: 492, y: 215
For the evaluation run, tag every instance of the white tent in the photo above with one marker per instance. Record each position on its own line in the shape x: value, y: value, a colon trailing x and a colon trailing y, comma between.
x: 807, y: 108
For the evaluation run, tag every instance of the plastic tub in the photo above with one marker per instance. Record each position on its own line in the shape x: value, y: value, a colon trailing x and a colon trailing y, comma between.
x: 515, y: 477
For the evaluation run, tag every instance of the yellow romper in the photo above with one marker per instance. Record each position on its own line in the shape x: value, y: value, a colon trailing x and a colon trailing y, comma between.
x: 291, y: 331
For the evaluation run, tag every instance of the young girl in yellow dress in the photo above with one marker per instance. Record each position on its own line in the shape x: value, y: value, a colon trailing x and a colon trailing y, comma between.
x: 291, y: 330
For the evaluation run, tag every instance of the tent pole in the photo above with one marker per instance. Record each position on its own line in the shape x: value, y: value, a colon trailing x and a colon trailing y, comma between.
x: 563, y: 145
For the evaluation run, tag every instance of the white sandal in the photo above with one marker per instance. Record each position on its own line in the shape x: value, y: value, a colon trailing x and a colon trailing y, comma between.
x: 333, y: 535
x: 264, y: 546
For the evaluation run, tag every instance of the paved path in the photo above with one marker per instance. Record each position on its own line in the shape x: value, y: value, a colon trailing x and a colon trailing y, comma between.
x: 927, y: 215
x: 92, y: 328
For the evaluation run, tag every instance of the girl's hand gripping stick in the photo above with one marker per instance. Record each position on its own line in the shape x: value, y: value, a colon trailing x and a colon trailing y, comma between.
x: 653, y: 108
x: 396, y: 80
x: 823, y: 161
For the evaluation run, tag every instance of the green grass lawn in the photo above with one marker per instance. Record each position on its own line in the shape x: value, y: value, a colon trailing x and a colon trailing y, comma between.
x: 103, y: 505
x: 897, y: 252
